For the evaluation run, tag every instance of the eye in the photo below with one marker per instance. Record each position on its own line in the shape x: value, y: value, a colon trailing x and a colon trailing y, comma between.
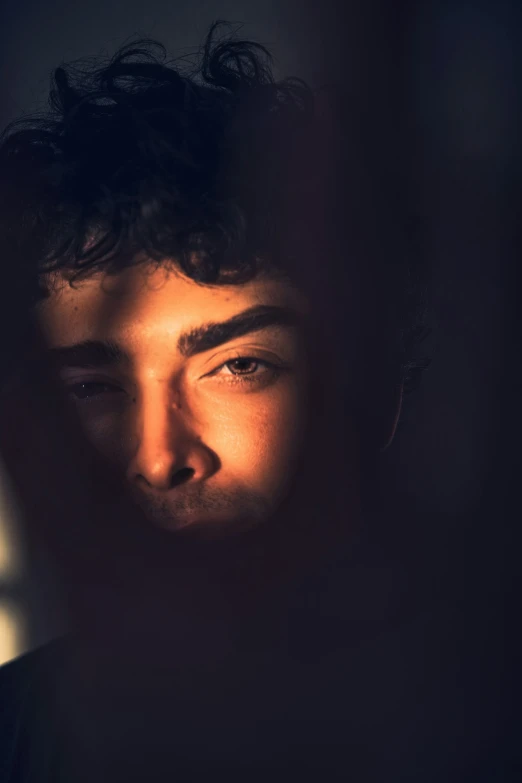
x: 247, y: 370
x: 89, y: 389
x: 244, y: 365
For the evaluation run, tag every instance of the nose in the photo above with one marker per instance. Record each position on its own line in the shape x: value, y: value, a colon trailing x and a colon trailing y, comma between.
x: 168, y: 451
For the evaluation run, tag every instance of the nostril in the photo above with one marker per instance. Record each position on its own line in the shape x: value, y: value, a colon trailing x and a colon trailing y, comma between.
x: 182, y: 476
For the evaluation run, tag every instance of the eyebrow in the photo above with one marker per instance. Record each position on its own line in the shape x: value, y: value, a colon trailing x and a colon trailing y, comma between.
x: 90, y: 354
x: 211, y: 335
x: 103, y: 353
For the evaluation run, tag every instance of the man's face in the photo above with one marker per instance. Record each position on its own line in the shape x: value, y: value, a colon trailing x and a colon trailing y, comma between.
x: 196, y: 393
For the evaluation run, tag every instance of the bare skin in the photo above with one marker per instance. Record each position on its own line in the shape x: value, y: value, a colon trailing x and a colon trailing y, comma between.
x: 204, y: 422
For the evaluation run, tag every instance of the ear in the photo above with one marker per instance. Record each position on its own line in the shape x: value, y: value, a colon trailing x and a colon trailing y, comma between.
x: 391, y: 416
x: 383, y: 408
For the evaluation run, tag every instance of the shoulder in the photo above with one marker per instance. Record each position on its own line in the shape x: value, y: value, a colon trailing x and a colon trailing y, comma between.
x: 16, y: 675
x: 20, y: 680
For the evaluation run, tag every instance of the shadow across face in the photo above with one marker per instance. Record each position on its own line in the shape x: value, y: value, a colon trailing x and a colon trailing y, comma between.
x: 194, y: 394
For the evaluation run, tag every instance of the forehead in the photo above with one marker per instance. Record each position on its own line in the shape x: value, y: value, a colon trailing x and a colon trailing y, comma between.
x: 152, y: 300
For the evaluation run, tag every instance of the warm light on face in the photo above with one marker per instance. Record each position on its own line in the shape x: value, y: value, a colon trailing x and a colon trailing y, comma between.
x: 195, y: 392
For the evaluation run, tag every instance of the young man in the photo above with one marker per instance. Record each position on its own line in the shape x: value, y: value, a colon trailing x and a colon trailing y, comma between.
x: 214, y: 370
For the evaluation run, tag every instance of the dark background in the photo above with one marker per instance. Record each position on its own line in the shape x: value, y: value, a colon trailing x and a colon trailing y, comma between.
x: 450, y: 70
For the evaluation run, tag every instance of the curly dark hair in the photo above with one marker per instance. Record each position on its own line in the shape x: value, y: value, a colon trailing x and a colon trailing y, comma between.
x: 145, y: 159
x: 138, y: 159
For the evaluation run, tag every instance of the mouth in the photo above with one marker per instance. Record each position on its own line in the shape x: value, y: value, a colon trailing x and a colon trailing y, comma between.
x: 207, y: 528
x: 210, y: 516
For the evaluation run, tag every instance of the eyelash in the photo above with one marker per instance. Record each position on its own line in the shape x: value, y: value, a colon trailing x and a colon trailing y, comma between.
x: 89, y: 384
x: 251, y: 377
x: 234, y: 378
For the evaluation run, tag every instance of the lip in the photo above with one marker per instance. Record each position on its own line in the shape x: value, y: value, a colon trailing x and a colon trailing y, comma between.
x: 206, y: 529
x: 176, y: 523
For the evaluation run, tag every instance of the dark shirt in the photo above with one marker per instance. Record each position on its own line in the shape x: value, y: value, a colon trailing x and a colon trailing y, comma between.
x: 350, y: 678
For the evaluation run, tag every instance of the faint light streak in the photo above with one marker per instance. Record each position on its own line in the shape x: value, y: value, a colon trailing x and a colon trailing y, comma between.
x: 13, y: 617
x: 11, y: 560
x: 12, y: 631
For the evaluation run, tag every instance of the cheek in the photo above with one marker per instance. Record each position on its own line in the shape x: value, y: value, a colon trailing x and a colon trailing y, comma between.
x: 110, y: 434
x: 258, y: 437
